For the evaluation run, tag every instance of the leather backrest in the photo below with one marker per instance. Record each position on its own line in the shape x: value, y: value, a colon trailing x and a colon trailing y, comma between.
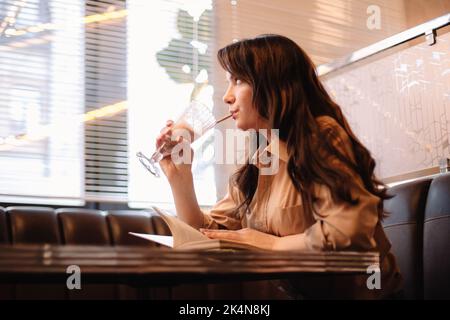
x: 6, y: 290
x: 33, y: 225
x: 87, y: 227
x: 436, y: 246
x: 122, y: 222
x: 84, y: 226
x: 159, y: 226
x: 4, y: 234
x: 404, y: 228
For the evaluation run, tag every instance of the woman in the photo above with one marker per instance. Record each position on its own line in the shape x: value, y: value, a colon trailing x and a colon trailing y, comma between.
x: 324, y: 195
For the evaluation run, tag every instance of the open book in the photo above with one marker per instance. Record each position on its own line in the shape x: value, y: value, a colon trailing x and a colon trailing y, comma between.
x: 186, y: 237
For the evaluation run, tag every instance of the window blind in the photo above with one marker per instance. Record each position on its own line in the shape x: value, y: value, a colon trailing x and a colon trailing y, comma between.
x: 41, y: 100
x: 105, y: 59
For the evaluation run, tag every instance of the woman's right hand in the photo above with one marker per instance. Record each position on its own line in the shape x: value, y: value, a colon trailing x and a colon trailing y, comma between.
x: 180, y: 177
x: 175, y: 173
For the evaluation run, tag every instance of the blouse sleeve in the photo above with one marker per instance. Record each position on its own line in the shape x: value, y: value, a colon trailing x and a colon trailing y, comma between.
x: 341, y: 225
x: 223, y: 214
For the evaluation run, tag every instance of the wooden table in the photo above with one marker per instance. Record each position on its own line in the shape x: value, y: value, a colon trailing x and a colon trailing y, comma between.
x: 159, y: 266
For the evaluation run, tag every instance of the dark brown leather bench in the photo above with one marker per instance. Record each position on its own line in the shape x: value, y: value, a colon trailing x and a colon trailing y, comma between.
x: 75, y: 226
x: 418, y: 227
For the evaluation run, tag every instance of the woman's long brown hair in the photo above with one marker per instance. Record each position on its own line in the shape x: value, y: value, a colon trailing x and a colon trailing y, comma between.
x: 288, y: 93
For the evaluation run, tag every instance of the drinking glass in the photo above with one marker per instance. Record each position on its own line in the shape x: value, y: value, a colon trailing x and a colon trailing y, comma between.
x: 197, y: 118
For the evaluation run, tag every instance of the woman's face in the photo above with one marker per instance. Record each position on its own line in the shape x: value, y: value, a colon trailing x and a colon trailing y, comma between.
x: 239, y: 96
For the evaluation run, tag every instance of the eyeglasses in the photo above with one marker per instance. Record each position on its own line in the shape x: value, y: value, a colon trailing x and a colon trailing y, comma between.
x: 147, y: 163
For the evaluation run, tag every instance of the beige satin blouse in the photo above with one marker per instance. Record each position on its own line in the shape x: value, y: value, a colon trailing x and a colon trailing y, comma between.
x: 277, y: 209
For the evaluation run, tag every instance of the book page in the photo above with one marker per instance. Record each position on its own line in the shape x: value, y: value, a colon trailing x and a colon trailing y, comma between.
x: 164, y: 240
x: 182, y: 232
x: 219, y: 245
x: 185, y: 237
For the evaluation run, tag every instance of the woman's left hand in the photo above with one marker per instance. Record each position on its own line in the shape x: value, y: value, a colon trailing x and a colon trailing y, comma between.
x: 248, y: 236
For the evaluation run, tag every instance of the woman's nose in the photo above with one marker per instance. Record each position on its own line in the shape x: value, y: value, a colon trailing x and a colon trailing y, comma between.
x: 228, y: 98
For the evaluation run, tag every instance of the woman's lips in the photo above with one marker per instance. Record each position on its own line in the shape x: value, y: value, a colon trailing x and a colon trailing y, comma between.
x: 234, y: 114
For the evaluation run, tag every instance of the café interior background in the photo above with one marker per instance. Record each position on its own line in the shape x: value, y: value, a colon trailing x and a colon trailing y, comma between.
x: 84, y: 85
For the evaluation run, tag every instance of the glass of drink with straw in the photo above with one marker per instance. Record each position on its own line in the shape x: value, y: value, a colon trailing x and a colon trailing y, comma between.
x: 196, y: 119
